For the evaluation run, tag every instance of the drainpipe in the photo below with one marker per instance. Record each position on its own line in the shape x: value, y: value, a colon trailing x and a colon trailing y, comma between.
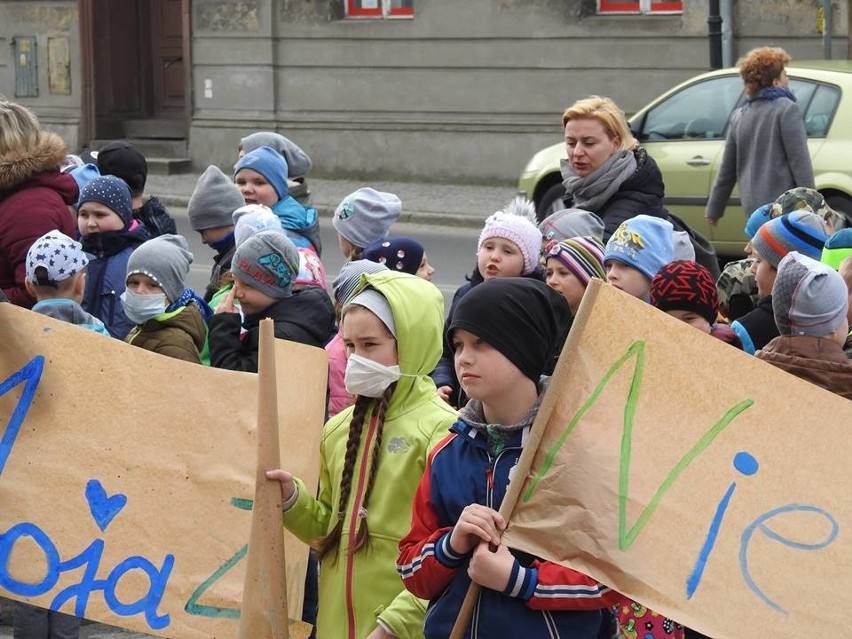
x: 727, y: 12
x: 827, y: 28
x: 714, y: 34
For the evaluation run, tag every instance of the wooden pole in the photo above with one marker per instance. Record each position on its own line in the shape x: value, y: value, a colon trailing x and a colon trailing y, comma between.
x: 531, y: 447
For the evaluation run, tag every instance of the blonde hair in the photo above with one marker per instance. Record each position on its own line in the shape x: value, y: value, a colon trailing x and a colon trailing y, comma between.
x: 605, y: 111
x: 19, y: 128
x: 760, y: 67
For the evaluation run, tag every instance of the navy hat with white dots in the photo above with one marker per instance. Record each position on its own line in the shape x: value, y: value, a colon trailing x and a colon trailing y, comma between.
x: 112, y: 192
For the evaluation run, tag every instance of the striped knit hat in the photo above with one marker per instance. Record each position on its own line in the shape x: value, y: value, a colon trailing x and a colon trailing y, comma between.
x: 685, y: 286
x: 583, y: 256
x: 802, y: 231
x: 837, y: 248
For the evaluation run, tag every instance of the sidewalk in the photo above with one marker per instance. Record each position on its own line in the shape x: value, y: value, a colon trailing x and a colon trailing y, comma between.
x: 431, y: 204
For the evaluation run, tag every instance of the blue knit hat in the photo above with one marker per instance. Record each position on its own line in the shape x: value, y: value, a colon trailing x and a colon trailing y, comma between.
x: 801, y: 230
x: 758, y: 218
x: 399, y: 254
x: 270, y: 164
x: 112, y: 192
x: 643, y: 242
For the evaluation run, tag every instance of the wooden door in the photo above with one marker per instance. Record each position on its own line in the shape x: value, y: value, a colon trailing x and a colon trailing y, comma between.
x: 167, y: 63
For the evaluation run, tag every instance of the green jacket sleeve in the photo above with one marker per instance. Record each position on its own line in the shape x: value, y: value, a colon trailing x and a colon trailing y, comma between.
x: 405, y: 616
x: 308, y: 518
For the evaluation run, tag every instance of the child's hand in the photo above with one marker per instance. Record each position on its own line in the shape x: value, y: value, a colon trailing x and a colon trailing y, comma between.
x: 226, y: 304
x: 491, y: 569
x: 288, y: 486
x: 477, y: 523
x: 444, y: 393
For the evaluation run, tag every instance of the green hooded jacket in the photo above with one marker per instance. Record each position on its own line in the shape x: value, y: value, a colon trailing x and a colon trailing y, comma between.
x: 356, y: 591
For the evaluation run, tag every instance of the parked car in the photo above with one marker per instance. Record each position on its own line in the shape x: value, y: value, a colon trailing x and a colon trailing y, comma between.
x: 684, y: 130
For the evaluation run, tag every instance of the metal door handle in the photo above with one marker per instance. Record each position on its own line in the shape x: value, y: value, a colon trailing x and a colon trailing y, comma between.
x: 698, y: 161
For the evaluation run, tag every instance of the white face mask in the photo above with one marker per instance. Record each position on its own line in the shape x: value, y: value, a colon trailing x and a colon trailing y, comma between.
x: 140, y: 308
x: 368, y: 378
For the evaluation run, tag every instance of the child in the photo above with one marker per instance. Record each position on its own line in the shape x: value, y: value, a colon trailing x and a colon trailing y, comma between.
x: 499, y: 358
x: 570, y: 264
x: 686, y: 291
x: 801, y: 231
x: 810, y: 301
x: 56, y: 278
x: 509, y: 246
x: 401, y: 254
x: 846, y: 273
x: 639, y: 248
x: 169, y: 317
x: 261, y: 177
x: 372, y: 457
x: 569, y: 223
x: 363, y: 217
x: 298, y: 162
x: 110, y: 235
x: 264, y: 269
x: 210, y: 208
x: 342, y: 288
x: 124, y: 161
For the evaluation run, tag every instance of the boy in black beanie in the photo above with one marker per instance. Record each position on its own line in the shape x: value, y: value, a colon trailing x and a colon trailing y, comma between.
x: 502, y: 332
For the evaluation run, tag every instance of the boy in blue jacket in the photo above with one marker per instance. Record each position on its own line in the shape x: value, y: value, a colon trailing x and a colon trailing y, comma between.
x: 502, y: 333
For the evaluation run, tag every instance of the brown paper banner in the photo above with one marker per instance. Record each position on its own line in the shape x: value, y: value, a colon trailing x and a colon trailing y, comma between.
x: 127, y: 478
x: 700, y: 481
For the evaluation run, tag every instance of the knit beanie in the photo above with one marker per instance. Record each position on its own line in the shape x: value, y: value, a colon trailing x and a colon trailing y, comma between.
x: 643, y: 242
x: 267, y: 261
x: 252, y: 218
x: 571, y: 223
x: 112, y: 192
x: 350, y: 275
x: 758, y: 218
x: 298, y: 162
x: 270, y: 164
x: 737, y: 287
x: 802, y: 197
x: 377, y: 303
x: 684, y: 285
x: 837, y: 248
x: 801, y: 231
x: 808, y: 297
x: 515, y: 224
x: 165, y: 259
x: 682, y: 248
x: 83, y: 174
x: 399, y: 254
x: 60, y: 256
x: 515, y: 315
x: 213, y: 201
x: 366, y: 215
x: 311, y: 269
x: 123, y: 160
x: 583, y: 256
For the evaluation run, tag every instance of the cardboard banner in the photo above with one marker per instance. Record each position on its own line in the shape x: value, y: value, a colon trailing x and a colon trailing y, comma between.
x: 705, y: 484
x: 127, y: 478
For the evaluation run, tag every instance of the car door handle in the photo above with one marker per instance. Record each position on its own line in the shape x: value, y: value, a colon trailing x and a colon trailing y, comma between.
x: 698, y: 161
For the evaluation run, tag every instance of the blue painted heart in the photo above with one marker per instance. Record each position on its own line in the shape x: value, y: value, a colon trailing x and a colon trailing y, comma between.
x: 103, y: 507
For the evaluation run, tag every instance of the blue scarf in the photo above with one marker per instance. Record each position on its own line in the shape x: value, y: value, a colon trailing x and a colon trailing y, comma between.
x: 221, y: 246
x: 185, y: 298
x: 772, y: 93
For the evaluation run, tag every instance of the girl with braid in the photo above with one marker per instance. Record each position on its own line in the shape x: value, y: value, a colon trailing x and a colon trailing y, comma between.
x: 372, y: 456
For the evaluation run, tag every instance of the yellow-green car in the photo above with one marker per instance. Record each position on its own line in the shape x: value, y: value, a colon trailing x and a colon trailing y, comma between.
x: 684, y: 130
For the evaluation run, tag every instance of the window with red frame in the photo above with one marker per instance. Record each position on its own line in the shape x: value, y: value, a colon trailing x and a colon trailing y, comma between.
x: 380, y: 8
x: 640, y: 6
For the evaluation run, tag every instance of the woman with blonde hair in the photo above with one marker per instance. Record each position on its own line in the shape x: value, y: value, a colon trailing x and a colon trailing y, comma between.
x: 34, y: 195
x: 766, y: 150
x: 606, y: 171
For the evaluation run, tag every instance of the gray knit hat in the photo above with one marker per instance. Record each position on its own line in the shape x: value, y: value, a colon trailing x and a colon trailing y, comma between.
x: 571, y: 223
x: 378, y: 304
x: 682, y: 248
x: 267, y: 261
x: 297, y: 160
x: 349, y: 277
x: 366, y: 216
x: 165, y: 259
x: 213, y: 201
x: 808, y: 297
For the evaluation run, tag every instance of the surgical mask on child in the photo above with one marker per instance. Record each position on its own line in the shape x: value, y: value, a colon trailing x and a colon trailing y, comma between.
x: 368, y: 378
x: 140, y: 308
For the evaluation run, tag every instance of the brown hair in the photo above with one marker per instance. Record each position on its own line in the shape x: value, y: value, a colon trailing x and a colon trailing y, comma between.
x: 761, y: 67
x: 605, y: 111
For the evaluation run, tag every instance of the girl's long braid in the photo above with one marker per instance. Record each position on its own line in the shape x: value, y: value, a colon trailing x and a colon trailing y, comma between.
x: 362, y: 538
x: 330, y: 542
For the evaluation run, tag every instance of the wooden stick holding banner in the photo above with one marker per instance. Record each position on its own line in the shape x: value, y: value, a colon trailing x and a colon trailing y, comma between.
x: 522, y: 470
x: 264, y: 606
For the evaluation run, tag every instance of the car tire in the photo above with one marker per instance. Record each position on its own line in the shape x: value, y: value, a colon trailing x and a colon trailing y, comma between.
x: 551, y: 201
x: 841, y: 204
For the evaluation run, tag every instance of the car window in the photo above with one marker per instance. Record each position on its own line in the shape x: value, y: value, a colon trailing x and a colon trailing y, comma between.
x: 819, y: 109
x: 699, y: 111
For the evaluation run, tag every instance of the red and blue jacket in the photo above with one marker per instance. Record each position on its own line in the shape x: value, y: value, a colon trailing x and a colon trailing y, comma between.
x: 542, y: 599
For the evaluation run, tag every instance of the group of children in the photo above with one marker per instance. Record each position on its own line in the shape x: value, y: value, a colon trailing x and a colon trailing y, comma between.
x: 428, y: 413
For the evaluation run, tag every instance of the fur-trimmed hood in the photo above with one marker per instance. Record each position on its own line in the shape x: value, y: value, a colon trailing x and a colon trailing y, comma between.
x: 17, y: 167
